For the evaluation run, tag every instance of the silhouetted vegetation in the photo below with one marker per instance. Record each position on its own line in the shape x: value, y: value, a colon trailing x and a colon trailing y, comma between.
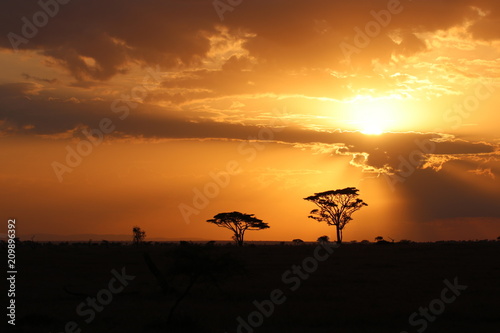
x: 191, y: 287
x: 323, y: 239
x: 381, y: 241
x: 238, y: 223
x: 336, y: 207
x: 138, y: 235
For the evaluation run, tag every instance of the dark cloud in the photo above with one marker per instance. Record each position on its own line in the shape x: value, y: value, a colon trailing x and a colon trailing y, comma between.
x: 19, y: 90
x: 279, y: 34
x: 450, y: 193
x: 39, y: 79
x: 114, y: 33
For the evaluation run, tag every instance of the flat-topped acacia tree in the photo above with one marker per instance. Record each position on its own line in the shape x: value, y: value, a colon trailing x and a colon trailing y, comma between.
x: 336, y: 207
x: 238, y: 223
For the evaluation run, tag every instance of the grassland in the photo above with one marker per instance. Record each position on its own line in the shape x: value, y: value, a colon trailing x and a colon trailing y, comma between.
x: 359, y: 288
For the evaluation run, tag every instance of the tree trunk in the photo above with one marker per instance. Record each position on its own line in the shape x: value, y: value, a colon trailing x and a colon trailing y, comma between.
x: 238, y: 238
x: 339, y: 235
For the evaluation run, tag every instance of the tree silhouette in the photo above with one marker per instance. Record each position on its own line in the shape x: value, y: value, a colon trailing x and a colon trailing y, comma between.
x: 138, y: 235
x: 238, y: 223
x: 336, y: 207
x: 323, y: 239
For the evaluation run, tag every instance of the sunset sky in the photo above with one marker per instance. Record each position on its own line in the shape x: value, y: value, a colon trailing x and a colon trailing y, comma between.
x: 200, y: 107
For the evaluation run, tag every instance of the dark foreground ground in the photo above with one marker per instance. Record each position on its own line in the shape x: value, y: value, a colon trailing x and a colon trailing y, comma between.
x: 359, y: 288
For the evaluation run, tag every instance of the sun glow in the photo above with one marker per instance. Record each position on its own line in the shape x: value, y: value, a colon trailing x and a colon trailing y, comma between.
x: 373, y: 116
x: 372, y: 129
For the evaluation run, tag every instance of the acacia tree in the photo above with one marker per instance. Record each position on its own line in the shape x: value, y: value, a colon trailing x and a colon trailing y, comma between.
x: 138, y: 235
x: 336, y: 207
x: 238, y: 223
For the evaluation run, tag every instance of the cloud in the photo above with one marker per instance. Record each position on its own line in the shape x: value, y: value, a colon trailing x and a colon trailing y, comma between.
x: 278, y: 48
x: 39, y: 79
x: 451, y: 193
x: 19, y: 90
x: 97, y: 40
x: 483, y: 172
x: 38, y: 115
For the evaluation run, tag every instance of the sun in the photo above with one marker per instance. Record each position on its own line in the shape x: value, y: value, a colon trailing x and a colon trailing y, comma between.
x: 373, y: 116
x: 373, y: 121
x: 372, y: 129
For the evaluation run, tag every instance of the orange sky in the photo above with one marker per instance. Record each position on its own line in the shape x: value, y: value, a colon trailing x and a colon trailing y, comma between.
x: 255, y: 107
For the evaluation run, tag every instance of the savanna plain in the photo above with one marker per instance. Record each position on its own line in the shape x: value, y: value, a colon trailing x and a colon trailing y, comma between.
x: 216, y: 287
